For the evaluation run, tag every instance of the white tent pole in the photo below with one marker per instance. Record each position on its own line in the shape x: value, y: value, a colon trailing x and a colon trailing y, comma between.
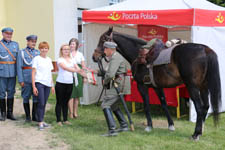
x: 194, y: 18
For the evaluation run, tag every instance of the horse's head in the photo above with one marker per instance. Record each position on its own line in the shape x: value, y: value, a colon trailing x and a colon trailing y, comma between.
x: 99, y: 51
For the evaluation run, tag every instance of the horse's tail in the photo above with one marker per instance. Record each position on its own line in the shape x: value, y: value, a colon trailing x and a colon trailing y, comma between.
x: 214, y: 85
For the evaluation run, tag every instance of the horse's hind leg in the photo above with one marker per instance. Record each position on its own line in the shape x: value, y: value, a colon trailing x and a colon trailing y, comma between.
x: 161, y: 95
x: 195, y: 96
x: 205, y: 99
x: 144, y: 93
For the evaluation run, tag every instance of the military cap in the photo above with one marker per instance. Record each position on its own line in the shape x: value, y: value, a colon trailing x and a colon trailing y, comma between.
x: 31, y: 37
x: 8, y: 29
x: 110, y: 45
x: 149, y: 44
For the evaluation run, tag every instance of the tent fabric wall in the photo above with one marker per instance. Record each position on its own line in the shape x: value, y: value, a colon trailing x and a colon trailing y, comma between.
x: 91, y: 34
x: 182, y: 34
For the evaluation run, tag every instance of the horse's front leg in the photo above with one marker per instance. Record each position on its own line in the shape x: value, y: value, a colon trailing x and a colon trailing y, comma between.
x: 161, y: 95
x: 144, y: 93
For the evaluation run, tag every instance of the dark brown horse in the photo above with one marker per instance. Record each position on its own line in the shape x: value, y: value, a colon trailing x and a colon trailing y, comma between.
x: 195, y: 65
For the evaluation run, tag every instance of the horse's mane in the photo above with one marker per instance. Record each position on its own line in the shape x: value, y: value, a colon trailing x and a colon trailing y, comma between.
x: 130, y: 37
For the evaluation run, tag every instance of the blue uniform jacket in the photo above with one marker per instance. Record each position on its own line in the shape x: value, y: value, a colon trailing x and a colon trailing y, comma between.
x: 25, y: 60
x: 8, y: 70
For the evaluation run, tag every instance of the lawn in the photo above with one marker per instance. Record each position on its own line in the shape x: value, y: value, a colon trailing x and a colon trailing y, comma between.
x: 84, y: 133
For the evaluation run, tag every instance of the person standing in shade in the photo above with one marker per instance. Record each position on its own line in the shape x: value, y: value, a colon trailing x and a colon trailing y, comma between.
x: 42, y: 81
x: 64, y: 83
x: 24, y: 69
x: 77, y: 92
x: 8, y: 56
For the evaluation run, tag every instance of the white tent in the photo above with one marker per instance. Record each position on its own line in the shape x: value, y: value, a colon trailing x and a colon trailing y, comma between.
x: 205, y: 19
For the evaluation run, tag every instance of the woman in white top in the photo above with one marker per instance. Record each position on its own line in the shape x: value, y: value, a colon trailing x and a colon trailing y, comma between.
x: 42, y: 81
x: 64, y: 82
x: 78, y: 87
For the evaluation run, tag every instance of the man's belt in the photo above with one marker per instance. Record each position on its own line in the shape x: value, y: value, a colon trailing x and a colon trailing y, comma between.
x: 7, y: 62
x: 26, y: 67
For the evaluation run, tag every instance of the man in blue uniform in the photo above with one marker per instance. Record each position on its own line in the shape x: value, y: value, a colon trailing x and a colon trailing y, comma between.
x: 24, y: 69
x: 8, y: 57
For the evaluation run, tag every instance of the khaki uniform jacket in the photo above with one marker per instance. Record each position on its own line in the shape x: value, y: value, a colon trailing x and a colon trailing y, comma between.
x: 117, y: 66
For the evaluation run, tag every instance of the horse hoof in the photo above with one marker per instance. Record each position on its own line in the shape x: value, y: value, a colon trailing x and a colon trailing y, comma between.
x: 148, y: 129
x: 171, y: 128
x: 194, y: 138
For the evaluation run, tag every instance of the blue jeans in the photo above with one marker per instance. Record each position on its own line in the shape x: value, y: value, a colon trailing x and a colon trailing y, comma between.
x: 43, y: 94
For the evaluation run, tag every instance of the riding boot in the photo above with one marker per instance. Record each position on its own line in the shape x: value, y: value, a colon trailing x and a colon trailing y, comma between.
x: 10, y: 109
x: 0, y: 113
x: 3, y: 109
x: 122, y: 121
x: 27, y: 111
x: 110, y: 122
x: 34, y: 111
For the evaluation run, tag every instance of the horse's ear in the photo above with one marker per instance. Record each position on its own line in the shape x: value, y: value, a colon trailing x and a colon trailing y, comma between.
x: 110, y: 30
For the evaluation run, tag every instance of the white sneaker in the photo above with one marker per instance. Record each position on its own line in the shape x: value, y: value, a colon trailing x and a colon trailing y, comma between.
x: 45, y: 125
x: 41, y: 127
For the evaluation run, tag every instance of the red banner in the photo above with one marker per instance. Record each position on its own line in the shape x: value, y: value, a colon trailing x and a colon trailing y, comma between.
x: 182, y: 17
x: 149, y: 32
x: 209, y: 18
x: 151, y: 17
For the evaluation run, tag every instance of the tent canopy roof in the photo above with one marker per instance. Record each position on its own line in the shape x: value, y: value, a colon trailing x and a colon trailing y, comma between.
x: 159, y: 5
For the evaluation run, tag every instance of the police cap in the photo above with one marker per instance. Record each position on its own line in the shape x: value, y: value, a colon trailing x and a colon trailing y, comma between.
x: 31, y: 37
x: 8, y: 29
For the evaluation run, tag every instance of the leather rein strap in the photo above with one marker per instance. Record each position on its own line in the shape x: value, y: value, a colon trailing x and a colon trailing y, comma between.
x: 8, y: 51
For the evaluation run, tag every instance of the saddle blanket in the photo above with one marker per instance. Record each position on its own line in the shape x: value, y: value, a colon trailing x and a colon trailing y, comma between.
x: 164, y: 56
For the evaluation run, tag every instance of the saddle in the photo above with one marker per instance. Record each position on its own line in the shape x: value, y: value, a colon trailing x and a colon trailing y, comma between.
x: 159, y: 54
x: 149, y: 56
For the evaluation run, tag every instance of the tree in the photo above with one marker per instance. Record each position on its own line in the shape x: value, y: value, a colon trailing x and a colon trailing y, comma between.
x: 218, y: 2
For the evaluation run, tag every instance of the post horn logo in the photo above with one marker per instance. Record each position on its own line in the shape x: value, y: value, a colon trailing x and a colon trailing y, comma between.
x: 114, y: 16
x: 152, y: 32
x: 220, y: 18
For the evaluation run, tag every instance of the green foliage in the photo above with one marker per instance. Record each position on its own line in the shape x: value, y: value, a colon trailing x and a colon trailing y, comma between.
x: 218, y: 2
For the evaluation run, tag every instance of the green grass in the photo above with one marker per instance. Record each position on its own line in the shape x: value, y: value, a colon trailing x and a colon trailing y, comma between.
x: 84, y: 133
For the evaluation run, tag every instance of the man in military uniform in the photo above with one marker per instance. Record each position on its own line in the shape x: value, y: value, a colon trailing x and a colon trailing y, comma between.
x: 24, y: 69
x: 115, y: 72
x: 8, y: 57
